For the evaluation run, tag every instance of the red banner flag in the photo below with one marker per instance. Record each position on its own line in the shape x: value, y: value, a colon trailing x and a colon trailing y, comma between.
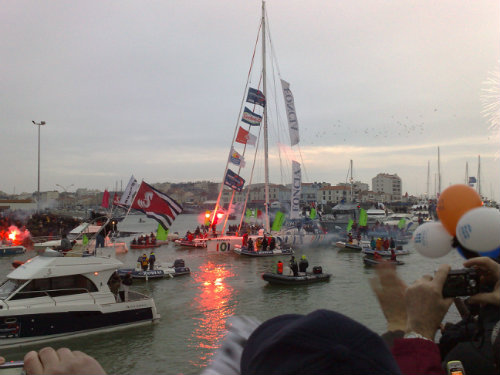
x: 105, y: 199
x: 156, y: 205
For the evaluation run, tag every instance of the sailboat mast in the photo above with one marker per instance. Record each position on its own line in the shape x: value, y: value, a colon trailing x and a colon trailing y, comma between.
x: 479, y: 175
x: 439, y: 174
x: 352, y: 200
x: 264, y: 118
x: 428, y: 178
x: 466, y: 173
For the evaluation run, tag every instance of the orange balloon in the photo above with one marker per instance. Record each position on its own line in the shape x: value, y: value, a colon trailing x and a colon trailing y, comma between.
x: 455, y: 201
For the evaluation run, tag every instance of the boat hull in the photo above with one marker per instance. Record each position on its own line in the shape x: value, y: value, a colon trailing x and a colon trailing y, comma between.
x: 12, y: 250
x: 308, y: 278
x: 154, y: 274
x: 263, y: 253
x: 149, y: 246
x: 17, y: 329
x: 372, y: 262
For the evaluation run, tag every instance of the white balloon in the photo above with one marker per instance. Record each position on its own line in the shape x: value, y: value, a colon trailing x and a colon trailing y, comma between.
x: 432, y: 240
x: 479, y: 229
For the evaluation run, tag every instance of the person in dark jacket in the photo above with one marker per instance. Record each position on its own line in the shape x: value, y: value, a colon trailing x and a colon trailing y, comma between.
x: 152, y: 260
x: 294, y: 267
x: 303, y: 264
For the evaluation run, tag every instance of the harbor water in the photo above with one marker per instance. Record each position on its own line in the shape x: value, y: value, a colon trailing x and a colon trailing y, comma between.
x: 194, y: 308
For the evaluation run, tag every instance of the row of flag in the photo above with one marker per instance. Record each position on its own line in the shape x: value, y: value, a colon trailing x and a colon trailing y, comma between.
x: 148, y: 200
x: 232, y: 179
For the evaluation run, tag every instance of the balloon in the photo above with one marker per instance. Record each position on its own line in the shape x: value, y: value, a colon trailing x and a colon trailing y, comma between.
x: 479, y: 230
x: 432, y: 240
x: 455, y: 201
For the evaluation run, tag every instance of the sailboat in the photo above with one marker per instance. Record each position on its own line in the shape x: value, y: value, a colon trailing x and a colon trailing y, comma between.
x: 257, y: 119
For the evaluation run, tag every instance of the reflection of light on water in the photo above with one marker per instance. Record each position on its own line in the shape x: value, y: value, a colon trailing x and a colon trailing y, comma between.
x: 215, y: 304
x: 490, y: 98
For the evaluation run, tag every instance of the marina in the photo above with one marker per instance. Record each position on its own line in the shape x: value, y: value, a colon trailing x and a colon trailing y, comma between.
x: 195, y: 307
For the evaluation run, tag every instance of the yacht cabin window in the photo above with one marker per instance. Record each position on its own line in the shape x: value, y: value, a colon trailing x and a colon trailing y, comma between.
x: 56, y: 286
x: 9, y: 286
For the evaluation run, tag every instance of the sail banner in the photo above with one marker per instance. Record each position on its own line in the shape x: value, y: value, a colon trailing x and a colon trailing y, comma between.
x: 161, y: 233
x: 296, y: 189
x: 105, y: 199
x: 256, y: 97
x: 236, y: 158
x: 313, y: 213
x: 245, y: 137
x: 349, y: 225
x: 251, y: 118
x: 130, y: 191
x: 279, y: 219
x: 363, y: 218
x: 293, y: 123
x: 401, y: 223
x: 156, y: 205
x: 234, y: 181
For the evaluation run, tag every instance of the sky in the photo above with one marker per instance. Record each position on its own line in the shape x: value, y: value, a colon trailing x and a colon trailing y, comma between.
x: 154, y: 89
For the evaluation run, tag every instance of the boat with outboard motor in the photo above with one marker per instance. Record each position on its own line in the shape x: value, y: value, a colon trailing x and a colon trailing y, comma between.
x: 159, y: 271
x: 369, y: 261
x: 302, y: 278
x: 52, y: 297
x: 386, y: 253
x: 255, y: 247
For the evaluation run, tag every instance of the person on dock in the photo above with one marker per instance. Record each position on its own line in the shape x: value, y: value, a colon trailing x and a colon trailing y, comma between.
x: 152, y: 260
x: 303, y: 264
x: 293, y: 266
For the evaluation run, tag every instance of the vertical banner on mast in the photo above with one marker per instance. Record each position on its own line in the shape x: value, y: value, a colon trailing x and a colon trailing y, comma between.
x: 293, y: 123
x: 296, y: 189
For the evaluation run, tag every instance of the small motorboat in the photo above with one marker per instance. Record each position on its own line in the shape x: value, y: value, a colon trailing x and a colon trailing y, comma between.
x: 11, y: 250
x: 369, y: 261
x: 386, y: 253
x: 302, y: 278
x: 277, y: 247
x: 160, y: 271
x: 144, y: 246
x: 187, y: 243
x: 346, y: 246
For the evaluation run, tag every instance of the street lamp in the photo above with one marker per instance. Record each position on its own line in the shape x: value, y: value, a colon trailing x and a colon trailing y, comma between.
x: 38, y: 189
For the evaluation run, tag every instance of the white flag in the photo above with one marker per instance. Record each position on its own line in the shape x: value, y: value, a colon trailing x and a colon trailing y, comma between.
x: 130, y: 191
x: 296, y: 190
x: 293, y: 123
x: 251, y: 139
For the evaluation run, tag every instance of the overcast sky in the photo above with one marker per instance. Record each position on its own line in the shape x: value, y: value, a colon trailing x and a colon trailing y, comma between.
x: 154, y: 88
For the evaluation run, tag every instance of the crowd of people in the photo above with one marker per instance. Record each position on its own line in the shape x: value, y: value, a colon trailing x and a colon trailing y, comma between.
x: 144, y: 239
x: 146, y: 262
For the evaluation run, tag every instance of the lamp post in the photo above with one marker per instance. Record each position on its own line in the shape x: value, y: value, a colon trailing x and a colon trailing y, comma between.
x: 38, y: 189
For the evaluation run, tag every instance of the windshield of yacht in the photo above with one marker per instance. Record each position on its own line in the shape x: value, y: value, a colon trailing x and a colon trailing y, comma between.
x: 9, y: 286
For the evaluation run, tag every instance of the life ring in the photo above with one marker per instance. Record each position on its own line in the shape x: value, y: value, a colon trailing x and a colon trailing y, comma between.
x: 223, y: 246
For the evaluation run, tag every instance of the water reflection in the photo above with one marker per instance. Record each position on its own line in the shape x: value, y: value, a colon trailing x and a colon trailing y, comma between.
x: 215, y: 303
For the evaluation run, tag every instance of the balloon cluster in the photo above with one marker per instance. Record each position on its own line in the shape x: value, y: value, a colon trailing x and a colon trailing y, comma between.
x: 464, y: 223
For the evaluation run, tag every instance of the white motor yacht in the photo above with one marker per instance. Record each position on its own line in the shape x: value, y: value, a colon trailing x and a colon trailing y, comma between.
x: 51, y: 296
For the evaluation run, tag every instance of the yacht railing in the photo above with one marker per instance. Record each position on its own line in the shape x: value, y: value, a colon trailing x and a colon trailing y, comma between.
x: 43, y: 293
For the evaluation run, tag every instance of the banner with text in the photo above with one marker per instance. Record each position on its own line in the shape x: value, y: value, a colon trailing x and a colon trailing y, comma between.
x: 234, y: 181
x: 296, y: 189
x: 293, y: 123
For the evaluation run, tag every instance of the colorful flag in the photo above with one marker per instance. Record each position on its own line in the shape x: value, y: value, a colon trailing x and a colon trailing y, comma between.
x: 85, y: 239
x: 363, y: 218
x: 234, y: 181
x: 236, y: 158
x: 401, y: 223
x: 349, y: 225
x: 279, y: 219
x: 161, y: 233
x: 313, y: 213
x: 156, y: 205
x: 245, y: 137
x: 250, y: 213
x: 256, y: 97
x: 130, y: 191
x: 105, y: 199
x: 251, y: 118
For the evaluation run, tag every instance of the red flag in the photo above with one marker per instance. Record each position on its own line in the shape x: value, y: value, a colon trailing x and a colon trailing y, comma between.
x: 259, y: 214
x: 105, y: 199
x: 156, y: 205
x: 242, y: 136
x: 116, y: 200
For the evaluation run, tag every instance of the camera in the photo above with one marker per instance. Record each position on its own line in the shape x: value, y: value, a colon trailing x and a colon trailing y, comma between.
x: 460, y: 283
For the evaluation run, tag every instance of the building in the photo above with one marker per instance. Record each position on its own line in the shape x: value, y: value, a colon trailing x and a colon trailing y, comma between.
x: 388, y: 183
x: 333, y: 195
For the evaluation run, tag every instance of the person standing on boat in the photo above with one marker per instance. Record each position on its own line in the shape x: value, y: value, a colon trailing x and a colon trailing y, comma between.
x: 264, y: 243
x: 152, y: 260
x: 144, y: 262
x: 65, y: 244
x: 373, y: 243
x: 114, y: 283
x: 124, y: 287
x: 303, y: 264
x: 279, y: 268
x: 393, y: 255
x: 272, y: 243
x: 392, y: 243
x: 386, y: 243
x: 250, y: 244
x: 294, y: 267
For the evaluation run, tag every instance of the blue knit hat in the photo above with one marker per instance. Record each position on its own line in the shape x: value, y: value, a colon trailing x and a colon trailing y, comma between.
x: 322, y: 342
